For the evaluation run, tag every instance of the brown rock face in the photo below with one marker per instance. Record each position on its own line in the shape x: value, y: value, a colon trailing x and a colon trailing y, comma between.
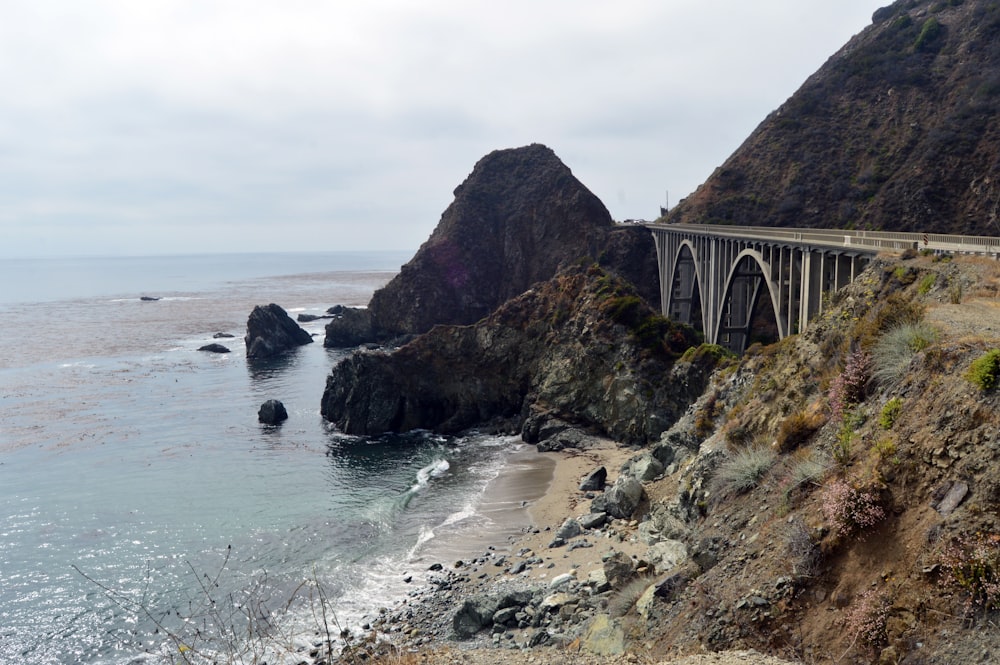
x: 517, y: 218
x: 898, y: 131
x: 580, y: 347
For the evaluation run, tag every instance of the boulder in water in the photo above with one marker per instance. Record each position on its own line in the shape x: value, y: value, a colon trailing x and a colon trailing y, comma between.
x: 272, y: 412
x: 214, y: 348
x: 271, y: 332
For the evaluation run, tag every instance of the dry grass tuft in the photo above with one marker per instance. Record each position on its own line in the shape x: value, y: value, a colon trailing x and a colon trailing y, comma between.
x: 743, y: 470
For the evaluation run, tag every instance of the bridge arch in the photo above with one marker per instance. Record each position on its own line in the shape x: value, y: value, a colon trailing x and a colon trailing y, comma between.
x: 728, y: 269
x: 685, y: 287
x: 747, y: 281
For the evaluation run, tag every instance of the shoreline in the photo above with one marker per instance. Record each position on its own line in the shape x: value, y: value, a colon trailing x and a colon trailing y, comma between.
x: 526, y: 503
x: 569, y: 621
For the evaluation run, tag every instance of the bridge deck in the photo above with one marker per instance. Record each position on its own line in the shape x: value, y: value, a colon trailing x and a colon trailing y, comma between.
x: 843, y: 239
x: 714, y: 276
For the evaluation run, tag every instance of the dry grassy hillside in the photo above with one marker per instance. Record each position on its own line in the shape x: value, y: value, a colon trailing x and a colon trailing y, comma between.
x: 844, y: 504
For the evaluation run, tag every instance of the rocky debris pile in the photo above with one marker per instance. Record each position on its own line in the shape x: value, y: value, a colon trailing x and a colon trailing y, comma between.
x: 528, y: 598
x: 511, y: 610
x: 271, y: 332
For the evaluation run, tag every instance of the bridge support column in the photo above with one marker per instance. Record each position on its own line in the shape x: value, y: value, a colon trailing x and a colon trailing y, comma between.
x: 724, y: 270
x: 683, y: 290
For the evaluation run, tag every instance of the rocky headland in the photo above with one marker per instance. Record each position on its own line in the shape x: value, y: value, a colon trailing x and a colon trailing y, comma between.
x: 519, y: 218
x: 581, y: 350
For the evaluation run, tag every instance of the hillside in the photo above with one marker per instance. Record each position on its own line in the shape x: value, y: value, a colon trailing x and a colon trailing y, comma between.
x: 897, y: 131
x: 849, y: 485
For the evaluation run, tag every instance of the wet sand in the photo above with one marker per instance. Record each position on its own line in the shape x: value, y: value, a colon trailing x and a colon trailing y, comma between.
x: 519, y: 513
x: 500, y: 517
x: 523, y: 507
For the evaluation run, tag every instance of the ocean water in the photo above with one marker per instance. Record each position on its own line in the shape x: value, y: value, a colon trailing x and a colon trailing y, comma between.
x: 136, y: 482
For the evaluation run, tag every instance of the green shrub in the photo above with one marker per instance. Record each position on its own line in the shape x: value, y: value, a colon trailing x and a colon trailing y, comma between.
x: 926, y: 284
x: 905, y: 275
x: 624, y: 309
x: 890, y: 412
x: 885, y: 449
x: 984, y: 370
x: 844, y: 443
x: 955, y: 293
x: 929, y: 33
x: 713, y: 351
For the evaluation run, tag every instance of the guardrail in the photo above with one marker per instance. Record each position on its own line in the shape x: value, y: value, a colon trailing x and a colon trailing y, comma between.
x: 840, y: 239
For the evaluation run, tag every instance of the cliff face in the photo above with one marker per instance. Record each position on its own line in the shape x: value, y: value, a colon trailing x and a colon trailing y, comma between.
x: 898, y: 131
x: 581, y: 347
x: 517, y: 218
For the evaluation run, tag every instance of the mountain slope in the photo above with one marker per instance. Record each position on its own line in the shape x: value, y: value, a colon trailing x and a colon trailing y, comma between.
x: 899, y: 130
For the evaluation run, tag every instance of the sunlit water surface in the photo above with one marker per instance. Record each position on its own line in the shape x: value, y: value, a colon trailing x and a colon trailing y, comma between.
x: 133, y: 470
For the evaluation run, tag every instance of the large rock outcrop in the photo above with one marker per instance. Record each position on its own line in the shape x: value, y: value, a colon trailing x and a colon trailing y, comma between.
x: 271, y: 332
x: 517, y: 219
x: 582, y: 347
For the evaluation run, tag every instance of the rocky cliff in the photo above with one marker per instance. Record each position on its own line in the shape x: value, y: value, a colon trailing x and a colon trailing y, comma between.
x: 842, y: 504
x: 582, y: 347
x: 898, y: 131
x: 517, y: 219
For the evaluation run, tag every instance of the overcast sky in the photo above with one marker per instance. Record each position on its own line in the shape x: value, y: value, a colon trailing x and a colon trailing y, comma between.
x: 179, y: 126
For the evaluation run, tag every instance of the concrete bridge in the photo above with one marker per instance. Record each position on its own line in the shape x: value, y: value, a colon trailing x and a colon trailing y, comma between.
x: 714, y: 277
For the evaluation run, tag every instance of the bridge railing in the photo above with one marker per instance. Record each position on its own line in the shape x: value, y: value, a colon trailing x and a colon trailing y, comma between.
x: 868, y: 240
